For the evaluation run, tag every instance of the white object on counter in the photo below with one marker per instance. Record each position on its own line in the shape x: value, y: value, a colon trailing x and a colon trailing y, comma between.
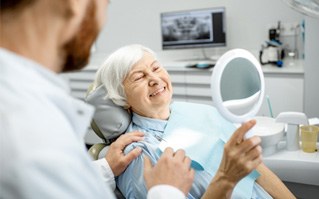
x: 314, y: 121
x: 293, y: 119
x: 270, y: 132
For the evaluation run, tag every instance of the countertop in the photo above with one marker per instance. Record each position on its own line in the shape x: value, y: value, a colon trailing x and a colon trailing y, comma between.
x: 290, y: 66
x: 295, y: 166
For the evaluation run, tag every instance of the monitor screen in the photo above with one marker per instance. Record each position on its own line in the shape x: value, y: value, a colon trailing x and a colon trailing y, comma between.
x: 193, y: 28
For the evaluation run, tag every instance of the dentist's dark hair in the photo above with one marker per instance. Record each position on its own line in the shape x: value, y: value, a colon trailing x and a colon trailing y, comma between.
x: 15, y: 5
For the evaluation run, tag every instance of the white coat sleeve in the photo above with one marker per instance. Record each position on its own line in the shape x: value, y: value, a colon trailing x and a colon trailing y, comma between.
x: 165, y: 191
x: 156, y: 192
x: 106, y: 172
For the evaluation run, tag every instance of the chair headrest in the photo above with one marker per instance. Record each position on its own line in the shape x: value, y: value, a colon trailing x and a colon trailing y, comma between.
x: 110, y: 119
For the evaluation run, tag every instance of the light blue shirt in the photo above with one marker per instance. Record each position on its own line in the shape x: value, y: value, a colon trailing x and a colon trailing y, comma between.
x: 131, y: 182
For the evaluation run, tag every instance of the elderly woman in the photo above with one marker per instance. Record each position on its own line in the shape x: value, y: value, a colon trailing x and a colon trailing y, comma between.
x: 136, y: 80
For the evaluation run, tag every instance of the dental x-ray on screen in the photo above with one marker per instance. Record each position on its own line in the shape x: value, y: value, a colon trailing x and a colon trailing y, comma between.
x: 193, y: 28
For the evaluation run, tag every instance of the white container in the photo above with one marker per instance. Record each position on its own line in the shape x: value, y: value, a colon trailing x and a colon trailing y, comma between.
x: 270, y: 133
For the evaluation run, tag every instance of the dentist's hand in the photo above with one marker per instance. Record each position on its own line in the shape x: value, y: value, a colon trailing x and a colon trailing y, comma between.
x: 115, y: 156
x: 171, y: 169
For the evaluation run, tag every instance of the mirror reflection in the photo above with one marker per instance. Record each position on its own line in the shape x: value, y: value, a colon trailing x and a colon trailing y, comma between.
x: 240, y: 86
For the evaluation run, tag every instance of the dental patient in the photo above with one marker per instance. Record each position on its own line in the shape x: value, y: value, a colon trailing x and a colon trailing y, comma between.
x: 135, y: 80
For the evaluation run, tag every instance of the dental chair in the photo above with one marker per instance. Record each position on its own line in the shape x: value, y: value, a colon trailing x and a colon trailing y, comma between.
x: 108, y: 123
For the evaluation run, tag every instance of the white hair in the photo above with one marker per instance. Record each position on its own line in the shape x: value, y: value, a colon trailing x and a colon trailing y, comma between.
x: 115, y: 68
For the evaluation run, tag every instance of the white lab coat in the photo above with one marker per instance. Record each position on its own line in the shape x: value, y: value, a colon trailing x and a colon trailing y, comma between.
x: 42, y: 153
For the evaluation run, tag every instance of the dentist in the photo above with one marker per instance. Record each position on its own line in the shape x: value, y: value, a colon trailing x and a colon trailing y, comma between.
x: 42, y: 153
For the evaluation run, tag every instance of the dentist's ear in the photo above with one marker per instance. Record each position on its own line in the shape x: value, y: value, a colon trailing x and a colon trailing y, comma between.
x: 73, y: 13
x: 77, y: 7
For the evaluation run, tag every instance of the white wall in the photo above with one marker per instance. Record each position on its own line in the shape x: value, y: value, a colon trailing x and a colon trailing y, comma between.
x: 138, y: 21
x: 247, y: 23
x: 311, y: 90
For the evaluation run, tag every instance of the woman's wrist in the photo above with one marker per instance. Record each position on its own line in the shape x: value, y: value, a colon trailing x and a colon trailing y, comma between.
x: 220, y: 187
x: 224, y: 180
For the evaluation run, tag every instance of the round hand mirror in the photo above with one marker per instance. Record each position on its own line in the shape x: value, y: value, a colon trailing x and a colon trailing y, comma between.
x: 237, y: 86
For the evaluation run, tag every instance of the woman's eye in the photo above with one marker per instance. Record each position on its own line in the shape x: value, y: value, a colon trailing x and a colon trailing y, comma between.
x: 138, y: 77
x: 156, y: 68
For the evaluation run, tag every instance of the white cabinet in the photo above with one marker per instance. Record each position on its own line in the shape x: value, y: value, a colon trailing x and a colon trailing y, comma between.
x: 284, y: 86
x: 285, y: 94
x: 191, y: 85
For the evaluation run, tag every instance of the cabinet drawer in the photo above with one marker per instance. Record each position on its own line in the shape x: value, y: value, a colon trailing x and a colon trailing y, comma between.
x: 179, y: 89
x: 198, y: 77
x: 177, y: 76
x: 194, y: 90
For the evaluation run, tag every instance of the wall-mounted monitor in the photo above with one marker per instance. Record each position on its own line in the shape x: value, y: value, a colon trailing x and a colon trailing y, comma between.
x: 199, y: 28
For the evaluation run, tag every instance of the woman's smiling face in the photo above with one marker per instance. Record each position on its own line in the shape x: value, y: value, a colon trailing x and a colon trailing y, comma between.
x: 148, y: 88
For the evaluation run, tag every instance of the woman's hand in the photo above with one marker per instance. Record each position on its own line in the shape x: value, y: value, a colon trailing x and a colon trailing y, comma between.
x: 240, y: 156
x: 171, y: 169
x: 115, y: 156
x: 239, y: 159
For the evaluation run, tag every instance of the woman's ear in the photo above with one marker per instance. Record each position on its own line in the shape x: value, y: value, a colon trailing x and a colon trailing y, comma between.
x: 128, y: 108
